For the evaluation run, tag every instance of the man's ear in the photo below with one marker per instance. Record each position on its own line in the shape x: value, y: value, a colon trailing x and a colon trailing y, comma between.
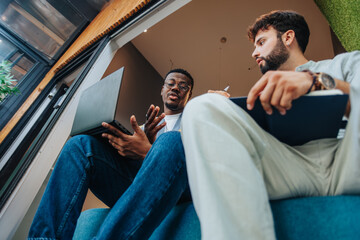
x: 189, y: 95
x: 288, y: 37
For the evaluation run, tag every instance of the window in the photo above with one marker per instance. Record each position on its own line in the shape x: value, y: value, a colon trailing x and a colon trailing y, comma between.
x: 45, y: 25
x: 28, y: 69
x: 33, y: 35
x: 21, y: 63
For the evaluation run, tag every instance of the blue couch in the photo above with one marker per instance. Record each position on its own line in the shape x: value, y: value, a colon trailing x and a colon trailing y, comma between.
x: 317, y: 218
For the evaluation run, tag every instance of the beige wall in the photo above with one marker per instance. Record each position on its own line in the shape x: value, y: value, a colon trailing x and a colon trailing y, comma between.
x: 144, y: 87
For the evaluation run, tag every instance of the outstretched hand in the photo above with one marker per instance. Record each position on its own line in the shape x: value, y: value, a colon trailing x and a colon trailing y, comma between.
x: 151, y: 126
x: 134, y: 146
x: 279, y: 89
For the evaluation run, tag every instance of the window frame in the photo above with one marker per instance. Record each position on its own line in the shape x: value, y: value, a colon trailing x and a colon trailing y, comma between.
x: 42, y: 64
x: 29, y: 82
x: 31, y: 144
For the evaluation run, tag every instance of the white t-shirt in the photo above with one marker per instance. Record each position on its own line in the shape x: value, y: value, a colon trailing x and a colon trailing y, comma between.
x: 171, y: 121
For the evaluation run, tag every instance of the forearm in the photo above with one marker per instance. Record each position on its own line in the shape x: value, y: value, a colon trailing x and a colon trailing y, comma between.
x: 345, y: 88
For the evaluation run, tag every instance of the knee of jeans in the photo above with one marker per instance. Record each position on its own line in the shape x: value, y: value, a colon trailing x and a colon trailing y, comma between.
x: 170, y: 141
x: 79, y: 150
x: 80, y: 143
x: 77, y: 140
x: 170, y: 138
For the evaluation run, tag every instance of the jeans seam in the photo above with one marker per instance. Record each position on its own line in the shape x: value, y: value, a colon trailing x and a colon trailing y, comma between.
x: 71, y: 205
x: 136, y: 227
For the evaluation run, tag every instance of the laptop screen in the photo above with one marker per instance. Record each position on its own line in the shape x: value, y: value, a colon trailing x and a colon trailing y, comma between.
x: 98, y: 103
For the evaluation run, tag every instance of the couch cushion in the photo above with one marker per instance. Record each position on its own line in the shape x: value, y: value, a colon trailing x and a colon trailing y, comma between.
x: 320, y: 218
x: 89, y: 223
x: 181, y: 223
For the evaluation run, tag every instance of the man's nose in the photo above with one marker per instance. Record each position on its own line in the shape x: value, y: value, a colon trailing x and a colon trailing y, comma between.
x: 255, y: 53
x: 175, y: 87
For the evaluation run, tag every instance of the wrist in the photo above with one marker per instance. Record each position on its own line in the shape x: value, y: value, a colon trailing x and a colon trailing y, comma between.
x: 321, y: 81
x: 313, y: 80
x: 147, y: 149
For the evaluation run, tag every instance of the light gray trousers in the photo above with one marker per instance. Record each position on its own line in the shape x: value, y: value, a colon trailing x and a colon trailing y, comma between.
x: 235, y: 167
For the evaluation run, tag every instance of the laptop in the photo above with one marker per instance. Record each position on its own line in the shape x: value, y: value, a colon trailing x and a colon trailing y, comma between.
x: 102, y: 102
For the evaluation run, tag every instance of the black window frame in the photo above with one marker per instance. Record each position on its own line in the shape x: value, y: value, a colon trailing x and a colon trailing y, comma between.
x: 12, y: 103
x: 33, y: 141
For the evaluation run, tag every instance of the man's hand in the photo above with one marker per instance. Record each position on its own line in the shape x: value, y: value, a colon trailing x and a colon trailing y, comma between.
x: 151, y: 126
x: 279, y: 89
x: 134, y: 146
x: 221, y: 92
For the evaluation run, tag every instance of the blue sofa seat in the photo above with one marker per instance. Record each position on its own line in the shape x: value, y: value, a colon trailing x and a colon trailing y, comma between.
x: 320, y: 218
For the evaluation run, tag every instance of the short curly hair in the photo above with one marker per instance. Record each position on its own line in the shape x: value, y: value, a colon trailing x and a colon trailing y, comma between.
x: 182, y: 71
x: 282, y: 21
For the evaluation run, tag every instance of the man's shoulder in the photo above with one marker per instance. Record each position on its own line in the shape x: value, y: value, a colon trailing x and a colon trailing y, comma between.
x: 343, y: 66
x: 348, y: 55
x: 341, y: 57
x: 338, y: 63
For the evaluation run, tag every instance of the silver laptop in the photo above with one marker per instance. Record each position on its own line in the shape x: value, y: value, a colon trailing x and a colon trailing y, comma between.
x: 102, y: 102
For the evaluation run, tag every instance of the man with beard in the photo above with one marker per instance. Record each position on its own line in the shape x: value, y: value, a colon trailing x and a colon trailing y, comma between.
x: 275, y: 59
x: 138, y: 177
x: 235, y: 167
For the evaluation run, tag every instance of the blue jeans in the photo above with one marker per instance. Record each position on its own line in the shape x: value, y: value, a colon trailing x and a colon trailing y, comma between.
x: 140, y: 194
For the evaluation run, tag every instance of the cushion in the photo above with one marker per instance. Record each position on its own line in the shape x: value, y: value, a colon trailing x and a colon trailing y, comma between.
x: 320, y: 218
x: 89, y: 223
x: 181, y: 223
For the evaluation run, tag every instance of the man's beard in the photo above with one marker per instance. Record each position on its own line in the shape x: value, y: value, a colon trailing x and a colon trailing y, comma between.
x: 276, y: 58
x: 172, y: 107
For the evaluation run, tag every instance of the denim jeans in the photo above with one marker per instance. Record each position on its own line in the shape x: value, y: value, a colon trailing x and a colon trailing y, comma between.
x: 140, y: 194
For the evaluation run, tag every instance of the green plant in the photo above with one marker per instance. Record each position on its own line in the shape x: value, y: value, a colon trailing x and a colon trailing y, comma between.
x: 6, y: 80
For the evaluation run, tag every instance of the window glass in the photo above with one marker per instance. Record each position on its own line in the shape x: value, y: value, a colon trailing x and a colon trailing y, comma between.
x: 7, y: 49
x: 40, y: 24
x: 21, y: 64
